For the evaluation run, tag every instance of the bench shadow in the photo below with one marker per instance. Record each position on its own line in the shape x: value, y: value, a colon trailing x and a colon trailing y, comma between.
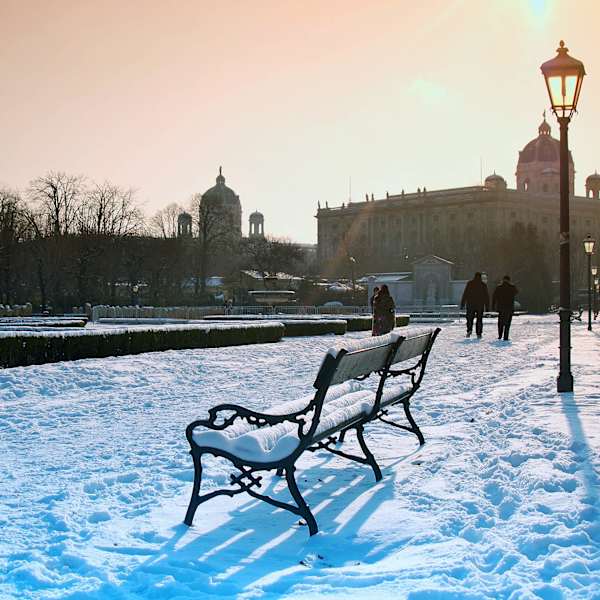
x: 262, y: 547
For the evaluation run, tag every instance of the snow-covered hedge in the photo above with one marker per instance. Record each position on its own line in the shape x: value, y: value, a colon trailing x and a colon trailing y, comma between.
x: 402, y: 320
x: 29, y: 348
x: 298, y: 327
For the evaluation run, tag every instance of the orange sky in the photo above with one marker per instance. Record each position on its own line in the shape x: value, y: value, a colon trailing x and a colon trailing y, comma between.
x: 291, y: 97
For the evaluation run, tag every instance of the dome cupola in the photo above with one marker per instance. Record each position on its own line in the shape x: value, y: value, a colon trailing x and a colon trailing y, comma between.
x: 538, y: 168
x: 257, y: 225
x: 495, y: 182
x: 592, y: 186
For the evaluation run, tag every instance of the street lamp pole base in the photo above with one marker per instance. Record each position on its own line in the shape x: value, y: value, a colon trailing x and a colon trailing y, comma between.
x: 564, y: 383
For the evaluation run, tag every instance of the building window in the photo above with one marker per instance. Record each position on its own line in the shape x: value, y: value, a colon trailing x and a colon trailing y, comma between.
x: 513, y: 215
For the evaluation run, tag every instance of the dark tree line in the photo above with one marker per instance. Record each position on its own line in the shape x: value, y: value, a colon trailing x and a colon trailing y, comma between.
x: 65, y: 241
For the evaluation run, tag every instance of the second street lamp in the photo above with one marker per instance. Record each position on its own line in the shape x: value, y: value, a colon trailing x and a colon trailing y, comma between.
x: 564, y: 75
x: 588, y: 246
x: 595, y: 285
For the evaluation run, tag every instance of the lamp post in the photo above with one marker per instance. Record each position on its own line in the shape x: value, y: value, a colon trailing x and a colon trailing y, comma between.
x: 595, y: 298
x: 564, y: 75
x: 588, y: 246
x: 594, y: 271
x: 352, y: 265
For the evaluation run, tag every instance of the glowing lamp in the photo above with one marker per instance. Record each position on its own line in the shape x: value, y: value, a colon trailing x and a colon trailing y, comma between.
x: 564, y: 76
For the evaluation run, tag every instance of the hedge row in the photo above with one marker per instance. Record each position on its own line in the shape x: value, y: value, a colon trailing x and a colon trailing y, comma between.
x: 402, y: 320
x: 35, y: 349
x: 353, y: 322
x: 297, y: 327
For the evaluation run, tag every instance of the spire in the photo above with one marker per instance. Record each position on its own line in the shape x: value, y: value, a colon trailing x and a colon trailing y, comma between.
x: 544, y: 128
x: 220, y: 178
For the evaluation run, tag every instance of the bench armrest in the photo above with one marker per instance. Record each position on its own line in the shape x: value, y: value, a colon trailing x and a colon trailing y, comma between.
x: 240, y: 412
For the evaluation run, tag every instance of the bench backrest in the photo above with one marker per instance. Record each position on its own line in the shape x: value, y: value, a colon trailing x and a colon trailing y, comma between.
x: 413, y: 345
x: 369, y: 355
x: 355, y: 362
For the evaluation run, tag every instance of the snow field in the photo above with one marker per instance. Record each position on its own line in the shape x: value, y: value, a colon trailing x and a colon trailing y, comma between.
x: 501, y: 502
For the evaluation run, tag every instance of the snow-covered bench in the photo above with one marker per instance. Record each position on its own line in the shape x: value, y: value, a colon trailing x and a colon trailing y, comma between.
x: 275, y: 439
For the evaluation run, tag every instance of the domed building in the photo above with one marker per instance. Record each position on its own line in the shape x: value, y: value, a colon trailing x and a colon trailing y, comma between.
x: 463, y: 224
x: 538, y: 169
x: 224, y: 202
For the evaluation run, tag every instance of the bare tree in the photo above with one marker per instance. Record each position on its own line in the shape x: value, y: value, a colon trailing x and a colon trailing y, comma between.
x: 164, y: 222
x: 57, y: 197
x: 109, y: 210
x: 270, y: 256
x: 13, y: 230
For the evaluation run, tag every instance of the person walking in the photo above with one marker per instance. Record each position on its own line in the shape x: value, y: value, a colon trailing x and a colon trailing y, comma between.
x: 476, y: 298
x: 384, y: 312
x: 503, y: 301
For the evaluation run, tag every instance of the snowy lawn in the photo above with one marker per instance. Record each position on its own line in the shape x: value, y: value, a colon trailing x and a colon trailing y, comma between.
x: 501, y: 502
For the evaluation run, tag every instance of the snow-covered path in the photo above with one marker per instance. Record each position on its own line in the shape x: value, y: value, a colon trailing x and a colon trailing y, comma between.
x: 501, y: 502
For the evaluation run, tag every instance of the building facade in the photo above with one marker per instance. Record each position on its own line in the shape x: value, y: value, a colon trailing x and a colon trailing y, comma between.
x: 459, y: 224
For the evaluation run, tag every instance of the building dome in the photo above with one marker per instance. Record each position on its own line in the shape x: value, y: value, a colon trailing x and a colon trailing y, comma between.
x: 221, y: 192
x: 538, y: 168
x: 592, y: 186
x: 495, y: 182
x: 594, y: 178
x: 223, y: 199
x: 184, y: 224
x: 257, y: 225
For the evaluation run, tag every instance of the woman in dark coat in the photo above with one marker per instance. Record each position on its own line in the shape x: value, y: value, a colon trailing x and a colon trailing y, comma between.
x: 384, y: 312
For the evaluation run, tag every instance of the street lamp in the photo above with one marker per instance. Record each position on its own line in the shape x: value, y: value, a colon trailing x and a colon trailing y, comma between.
x: 564, y: 75
x: 588, y: 246
x: 595, y: 298
x: 352, y: 265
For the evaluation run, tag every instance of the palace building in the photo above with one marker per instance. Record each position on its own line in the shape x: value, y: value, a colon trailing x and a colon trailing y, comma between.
x: 389, y: 234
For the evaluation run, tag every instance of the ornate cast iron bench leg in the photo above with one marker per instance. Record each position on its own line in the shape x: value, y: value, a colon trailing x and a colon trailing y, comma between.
x: 194, y: 501
x: 368, y: 454
x: 413, y: 423
x: 302, y: 506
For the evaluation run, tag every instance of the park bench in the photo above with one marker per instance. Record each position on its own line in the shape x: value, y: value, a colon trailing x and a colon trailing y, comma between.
x: 274, y: 440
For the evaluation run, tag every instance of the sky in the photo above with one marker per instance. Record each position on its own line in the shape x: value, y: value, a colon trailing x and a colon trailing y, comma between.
x: 299, y: 101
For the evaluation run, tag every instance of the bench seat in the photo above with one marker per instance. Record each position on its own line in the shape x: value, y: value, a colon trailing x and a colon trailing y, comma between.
x: 345, y: 403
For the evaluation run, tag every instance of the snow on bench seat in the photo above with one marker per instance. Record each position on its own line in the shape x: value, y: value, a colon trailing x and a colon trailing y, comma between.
x: 343, y: 403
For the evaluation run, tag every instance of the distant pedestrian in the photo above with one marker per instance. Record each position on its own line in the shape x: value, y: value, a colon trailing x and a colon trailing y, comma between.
x: 384, y: 312
x: 477, y: 300
x: 372, y: 298
x: 503, y: 301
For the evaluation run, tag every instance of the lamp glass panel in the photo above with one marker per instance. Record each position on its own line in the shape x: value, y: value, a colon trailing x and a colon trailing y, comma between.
x: 555, y: 87
x: 594, y: 271
x: 570, y: 88
x: 589, y: 246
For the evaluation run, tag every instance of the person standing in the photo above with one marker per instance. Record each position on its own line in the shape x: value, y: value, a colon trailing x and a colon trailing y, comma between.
x: 384, y: 312
x: 476, y: 298
x: 503, y: 301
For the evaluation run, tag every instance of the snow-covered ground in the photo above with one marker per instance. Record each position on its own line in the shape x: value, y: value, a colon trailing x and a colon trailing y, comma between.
x: 501, y: 502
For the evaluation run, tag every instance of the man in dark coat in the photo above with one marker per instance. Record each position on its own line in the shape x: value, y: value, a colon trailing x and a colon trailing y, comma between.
x: 477, y: 299
x: 503, y: 301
